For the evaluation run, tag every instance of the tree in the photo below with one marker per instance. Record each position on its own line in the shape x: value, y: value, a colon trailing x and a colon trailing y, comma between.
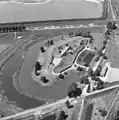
x: 36, y: 72
x: 97, y: 58
x: 90, y: 72
x: 68, y: 104
x: 61, y: 76
x: 107, y: 32
x: 99, y: 52
x: 62, y: 116
x: 14, y: 28
x: 83, y: 33
x: 91, y: 41
x: 3, y: 29
x: 74, y: 91
x: 44, y: 79
x: 81, y: 43
x: 103, y: 112
x: 38, y: 66
x: 20, y: 28
x: 93, y: 77
x: 79, y: 69
x: 42, y: 49
x: 70, y: 34
x: 117, y: 115
x: 100, y: 84
x: 23, y: 28
x: 97, y: 72
x: 51, y: 42
x: 103, y: 47
x: 84, y: 80
x: 111, y: 25
x: 105, y: 57
x: 17, y: 29
x: 105, y: 42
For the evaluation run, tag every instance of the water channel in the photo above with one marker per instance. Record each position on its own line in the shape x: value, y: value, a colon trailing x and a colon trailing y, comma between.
x: 54, y: 10
x: 26, y: 84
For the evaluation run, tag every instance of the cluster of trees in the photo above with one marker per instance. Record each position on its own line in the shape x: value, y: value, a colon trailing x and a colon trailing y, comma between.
x: 103, y: 112
x: 84, y: 33
x: 117, y: 115
x: 38, y: 67
x: 44, y: 79
x: 99, y: 82
x: 79, y: 68
x: 111, y: 25
x: 94, y: 76
x: 42, y: 49
x: 71, y: 34
x: 74, y: 91
x: 101, y: 54
x: 68, y: 105
x: 61, y: 76
x: 49, y: 43
x: 62, y: 115
x: 13, y: 28
x: 84, y: 80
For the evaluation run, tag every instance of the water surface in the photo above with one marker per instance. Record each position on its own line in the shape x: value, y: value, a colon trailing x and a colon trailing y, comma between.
x: 6, y: 78
x: 55, y: 10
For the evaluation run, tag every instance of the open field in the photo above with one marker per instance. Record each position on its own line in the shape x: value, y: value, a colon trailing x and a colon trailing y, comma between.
x: 93, y: 105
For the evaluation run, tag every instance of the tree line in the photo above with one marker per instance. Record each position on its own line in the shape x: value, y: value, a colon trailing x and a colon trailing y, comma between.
x: 17, y: 28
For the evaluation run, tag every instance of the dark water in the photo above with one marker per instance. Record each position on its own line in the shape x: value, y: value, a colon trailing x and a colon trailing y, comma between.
x: 89, y: 112
x: 7, y: 84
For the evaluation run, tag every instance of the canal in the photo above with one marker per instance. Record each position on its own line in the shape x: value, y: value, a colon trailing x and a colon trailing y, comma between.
x: 26, y: 85
x: 6, y: 78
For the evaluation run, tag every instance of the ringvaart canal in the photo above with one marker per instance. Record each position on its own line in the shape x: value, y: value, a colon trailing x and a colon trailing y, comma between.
x: 25, y: 84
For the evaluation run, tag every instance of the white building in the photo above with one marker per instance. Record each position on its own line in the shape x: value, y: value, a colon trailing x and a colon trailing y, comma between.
x: 109, y: 74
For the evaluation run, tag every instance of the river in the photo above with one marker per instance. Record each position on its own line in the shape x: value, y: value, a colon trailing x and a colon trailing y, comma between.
x: 7, y: 84
x: 54, y: 10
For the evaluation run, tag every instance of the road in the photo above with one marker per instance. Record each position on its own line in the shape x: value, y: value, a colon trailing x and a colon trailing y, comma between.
x: 113, y: 15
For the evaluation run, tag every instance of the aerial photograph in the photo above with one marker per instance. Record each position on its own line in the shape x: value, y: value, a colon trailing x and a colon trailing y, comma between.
x: 59, y: 59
